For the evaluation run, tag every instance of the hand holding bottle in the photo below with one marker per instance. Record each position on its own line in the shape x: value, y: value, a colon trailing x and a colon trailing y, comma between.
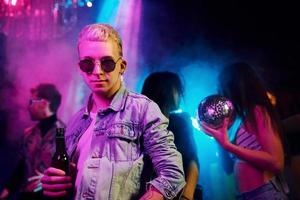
x: 55, y: 183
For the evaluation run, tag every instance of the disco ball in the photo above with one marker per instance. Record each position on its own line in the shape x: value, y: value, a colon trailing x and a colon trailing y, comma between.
x: 214, y: 109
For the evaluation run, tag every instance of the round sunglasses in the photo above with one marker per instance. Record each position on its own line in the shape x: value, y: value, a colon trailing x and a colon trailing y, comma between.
x: 33, y: 101
x: 107, y: 64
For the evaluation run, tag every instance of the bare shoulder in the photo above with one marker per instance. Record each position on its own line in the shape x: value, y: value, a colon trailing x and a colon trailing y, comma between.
x: 262, y: 117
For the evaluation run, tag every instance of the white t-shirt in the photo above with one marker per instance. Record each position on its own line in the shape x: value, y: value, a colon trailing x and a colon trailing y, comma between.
x: 83, y: 148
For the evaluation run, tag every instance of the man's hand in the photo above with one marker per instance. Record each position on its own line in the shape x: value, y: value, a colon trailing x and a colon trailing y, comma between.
x: 152, y: 194
x: 55, y: 183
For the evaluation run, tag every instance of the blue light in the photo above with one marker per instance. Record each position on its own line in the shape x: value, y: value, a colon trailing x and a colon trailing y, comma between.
x: 195, y: 123
x: 177, y: 111
x: 108, y: 12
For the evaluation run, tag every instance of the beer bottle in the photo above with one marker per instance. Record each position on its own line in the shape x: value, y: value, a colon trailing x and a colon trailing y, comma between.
x: 60, y: 159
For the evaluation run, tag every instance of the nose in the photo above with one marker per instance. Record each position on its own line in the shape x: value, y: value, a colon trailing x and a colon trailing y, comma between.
x: 97, y: 68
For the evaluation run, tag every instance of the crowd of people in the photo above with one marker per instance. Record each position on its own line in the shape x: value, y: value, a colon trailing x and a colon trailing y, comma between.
x: 125, y: 145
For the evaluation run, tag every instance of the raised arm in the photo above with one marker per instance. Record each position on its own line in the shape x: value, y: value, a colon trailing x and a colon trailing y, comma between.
x: 270, y: 158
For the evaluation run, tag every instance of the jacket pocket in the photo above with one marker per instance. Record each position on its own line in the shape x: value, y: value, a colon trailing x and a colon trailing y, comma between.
x: 123, y: 131
x: 123, y: 142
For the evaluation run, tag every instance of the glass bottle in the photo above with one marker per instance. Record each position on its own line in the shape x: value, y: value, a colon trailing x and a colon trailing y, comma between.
x: 61, y: 159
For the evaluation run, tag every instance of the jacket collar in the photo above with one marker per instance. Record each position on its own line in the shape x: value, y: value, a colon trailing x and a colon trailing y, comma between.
x: 117, y: 103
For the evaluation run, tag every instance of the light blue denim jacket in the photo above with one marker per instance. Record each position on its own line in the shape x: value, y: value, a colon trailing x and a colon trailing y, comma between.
x: 131, y: 127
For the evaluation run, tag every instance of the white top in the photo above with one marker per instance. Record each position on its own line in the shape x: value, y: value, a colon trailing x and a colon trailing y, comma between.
x: 83, y: 148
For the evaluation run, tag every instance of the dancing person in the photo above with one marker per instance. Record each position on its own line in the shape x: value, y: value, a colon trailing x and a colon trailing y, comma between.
x: 256, y: 150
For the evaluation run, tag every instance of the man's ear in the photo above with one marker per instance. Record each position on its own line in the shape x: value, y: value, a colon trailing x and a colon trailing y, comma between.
x: 123, y: 67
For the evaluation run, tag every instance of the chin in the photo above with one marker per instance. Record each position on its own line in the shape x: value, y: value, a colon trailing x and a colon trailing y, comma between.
x: 99, y: 91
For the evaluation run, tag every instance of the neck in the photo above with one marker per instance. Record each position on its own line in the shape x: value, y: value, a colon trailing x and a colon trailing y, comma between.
x: 165, y: 111
x: 47, y: 123
x: 100, y: 102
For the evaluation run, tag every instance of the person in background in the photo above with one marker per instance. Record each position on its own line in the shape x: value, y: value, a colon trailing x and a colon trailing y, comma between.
x: 110, y: 136
x: 9, y: 110
x: 38, y: 144
x: 166, y: 89
x: 256, y: 150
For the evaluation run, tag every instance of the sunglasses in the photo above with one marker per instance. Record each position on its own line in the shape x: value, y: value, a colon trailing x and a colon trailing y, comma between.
x: 107, y: 64
x: 33, y: 101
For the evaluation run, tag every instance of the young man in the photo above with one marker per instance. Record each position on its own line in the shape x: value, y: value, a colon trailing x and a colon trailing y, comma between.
x: 38, y: 143
x: 109, y: 138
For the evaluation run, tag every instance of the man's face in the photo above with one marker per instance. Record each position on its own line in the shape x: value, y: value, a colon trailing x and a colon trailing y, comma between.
x: 101, y: 82
x: 37, y: 107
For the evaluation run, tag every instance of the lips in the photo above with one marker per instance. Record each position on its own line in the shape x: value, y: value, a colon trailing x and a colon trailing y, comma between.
x: 98, y: 81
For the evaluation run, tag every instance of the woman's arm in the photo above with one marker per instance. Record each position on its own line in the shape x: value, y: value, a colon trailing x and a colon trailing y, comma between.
x: 271, y: 157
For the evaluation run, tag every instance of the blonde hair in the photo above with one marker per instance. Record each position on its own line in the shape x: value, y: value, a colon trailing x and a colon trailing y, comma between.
x: 100, y: 32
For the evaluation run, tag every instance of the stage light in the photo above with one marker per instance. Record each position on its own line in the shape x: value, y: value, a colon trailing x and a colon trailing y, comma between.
x: 195, y: 123
x: 38, y: 20
x: 89, y: 4
x: 13, y: 2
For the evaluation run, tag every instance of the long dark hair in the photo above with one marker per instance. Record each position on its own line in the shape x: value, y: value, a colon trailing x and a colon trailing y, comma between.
x: 159, y: 86
x: 242, y: 84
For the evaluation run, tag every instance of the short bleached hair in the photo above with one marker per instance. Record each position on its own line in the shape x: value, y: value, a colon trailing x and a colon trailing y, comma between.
x: 100, y: 32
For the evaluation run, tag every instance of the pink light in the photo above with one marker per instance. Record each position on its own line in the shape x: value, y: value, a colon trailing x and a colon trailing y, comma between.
x: 13, y: 2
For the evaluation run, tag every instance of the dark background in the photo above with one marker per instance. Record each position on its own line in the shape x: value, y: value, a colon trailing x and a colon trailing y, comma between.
x: 262, y: 33
x: 266, y: 31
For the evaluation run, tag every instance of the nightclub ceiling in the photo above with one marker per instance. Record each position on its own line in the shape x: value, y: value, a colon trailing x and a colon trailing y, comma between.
x: 261, y: 32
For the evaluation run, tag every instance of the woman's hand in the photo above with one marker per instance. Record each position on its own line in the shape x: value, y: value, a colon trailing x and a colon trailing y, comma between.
x: 219, y: 134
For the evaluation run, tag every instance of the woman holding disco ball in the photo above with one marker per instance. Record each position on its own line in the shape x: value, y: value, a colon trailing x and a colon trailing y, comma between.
x: 252, y: 139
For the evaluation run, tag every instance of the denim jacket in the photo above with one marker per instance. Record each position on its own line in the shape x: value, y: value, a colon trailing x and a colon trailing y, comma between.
x: 130, y: 128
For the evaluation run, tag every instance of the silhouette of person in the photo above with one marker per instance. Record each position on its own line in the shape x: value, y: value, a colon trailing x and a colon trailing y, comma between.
x: 166, y: 89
